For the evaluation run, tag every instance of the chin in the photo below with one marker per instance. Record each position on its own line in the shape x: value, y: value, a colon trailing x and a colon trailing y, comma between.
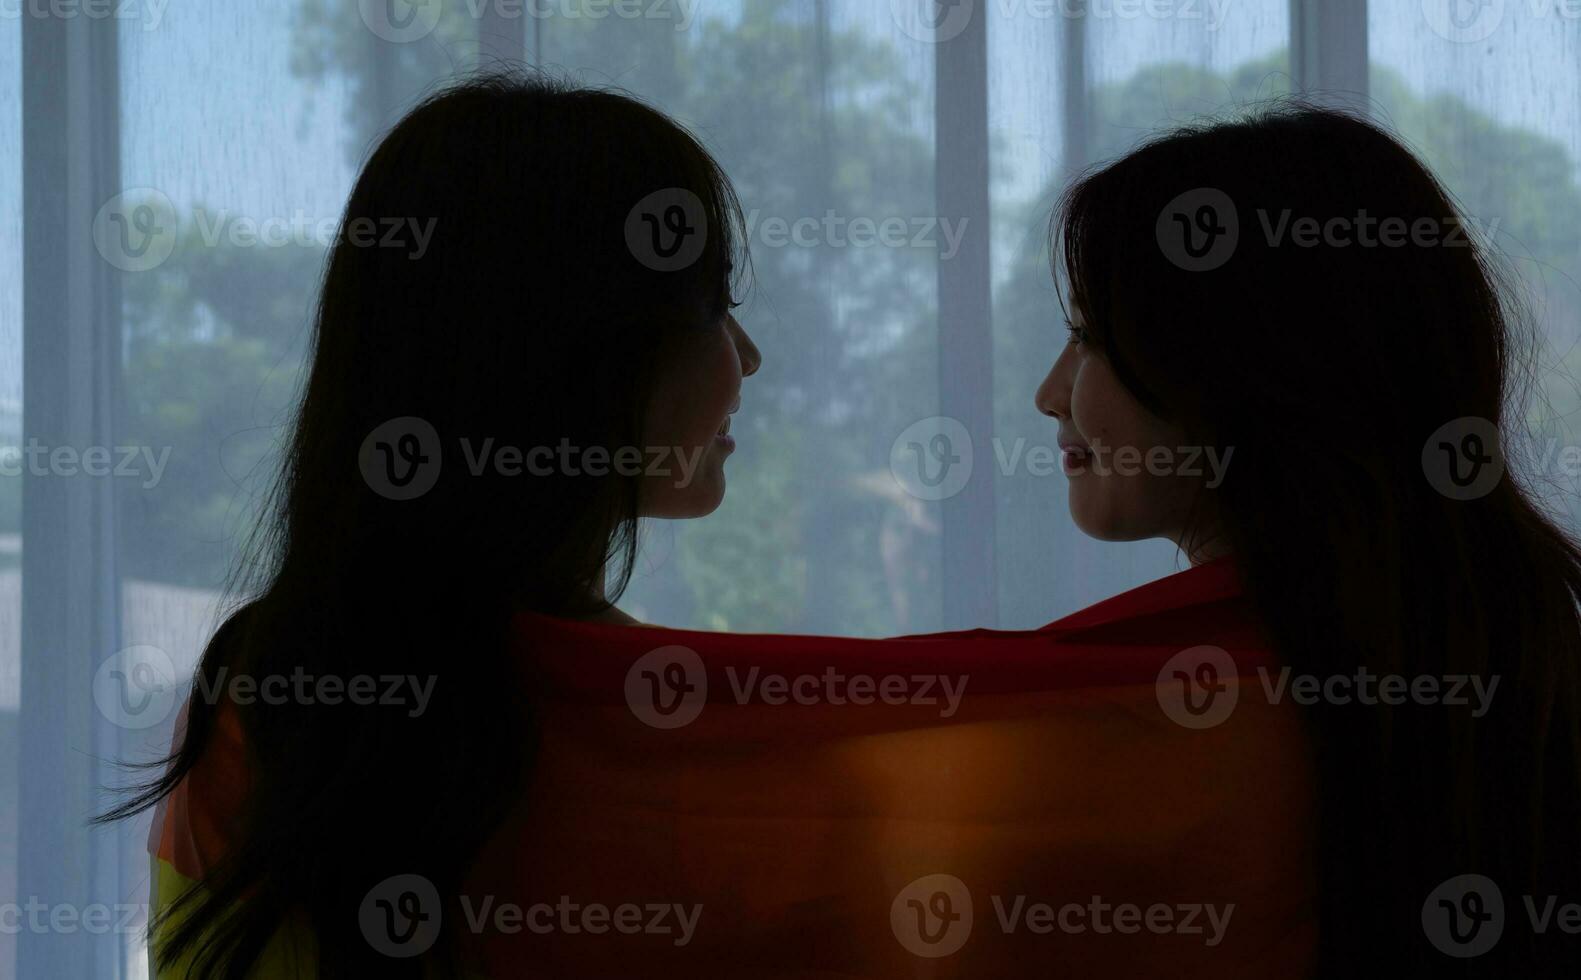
x: 1100, y: 523
x: 705, y: 495
x: 697, y: 500
x: 718, y: 494
x: 707, y: 505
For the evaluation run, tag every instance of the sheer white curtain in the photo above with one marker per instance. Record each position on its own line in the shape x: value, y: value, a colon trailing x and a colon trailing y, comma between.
x: 170, y: 172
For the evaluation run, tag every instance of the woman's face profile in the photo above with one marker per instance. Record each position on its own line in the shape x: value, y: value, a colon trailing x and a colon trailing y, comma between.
x: 697, y: 389
x: 1120, y: 458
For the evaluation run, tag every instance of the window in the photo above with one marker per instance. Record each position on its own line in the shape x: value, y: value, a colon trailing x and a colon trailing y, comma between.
x: 163, y: 225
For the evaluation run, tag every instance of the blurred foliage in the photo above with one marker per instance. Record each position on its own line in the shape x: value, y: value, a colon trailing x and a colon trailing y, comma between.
x: 813, y: 535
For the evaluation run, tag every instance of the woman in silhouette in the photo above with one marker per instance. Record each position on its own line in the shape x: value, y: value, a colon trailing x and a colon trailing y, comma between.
x: 1295, y: 291
x: 485, y: 420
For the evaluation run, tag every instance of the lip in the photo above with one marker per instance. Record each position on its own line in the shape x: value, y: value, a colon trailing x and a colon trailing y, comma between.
x: 724, y: 439
x: 1074, y: 456
x: 1069, y: 445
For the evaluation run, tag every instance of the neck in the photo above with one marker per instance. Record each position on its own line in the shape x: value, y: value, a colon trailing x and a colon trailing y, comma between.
x: 1201, y: 550
x: 609, y: 614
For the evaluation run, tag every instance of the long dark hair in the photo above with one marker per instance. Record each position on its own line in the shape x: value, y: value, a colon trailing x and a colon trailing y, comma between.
x: 1327, y: 368
x: 531, y: 317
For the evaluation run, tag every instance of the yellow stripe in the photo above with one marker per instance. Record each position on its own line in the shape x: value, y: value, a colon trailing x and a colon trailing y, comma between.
x: 283, y: 956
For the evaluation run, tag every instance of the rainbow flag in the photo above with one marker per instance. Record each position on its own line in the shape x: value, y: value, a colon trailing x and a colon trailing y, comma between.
x: 1110, y: 795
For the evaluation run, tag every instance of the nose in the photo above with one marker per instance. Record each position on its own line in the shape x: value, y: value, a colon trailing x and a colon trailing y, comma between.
x: 1053, y: 395
x: 751, y: 357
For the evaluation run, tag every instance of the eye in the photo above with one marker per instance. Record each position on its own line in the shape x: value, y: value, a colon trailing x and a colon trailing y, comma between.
x: 1078, y: 335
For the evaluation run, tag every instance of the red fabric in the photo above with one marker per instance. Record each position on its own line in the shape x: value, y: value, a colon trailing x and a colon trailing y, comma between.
x: 826, y: 840
x: 190, y: 824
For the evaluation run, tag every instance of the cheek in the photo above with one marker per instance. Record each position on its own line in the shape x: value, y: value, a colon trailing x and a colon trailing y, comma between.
x: 1106, y: 412
x: 662, y: 424
x: 722, y: 380
x: 715, y: 377
x: 1118, y: 501
x: 1099, y: 403
x: 693, y: 392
